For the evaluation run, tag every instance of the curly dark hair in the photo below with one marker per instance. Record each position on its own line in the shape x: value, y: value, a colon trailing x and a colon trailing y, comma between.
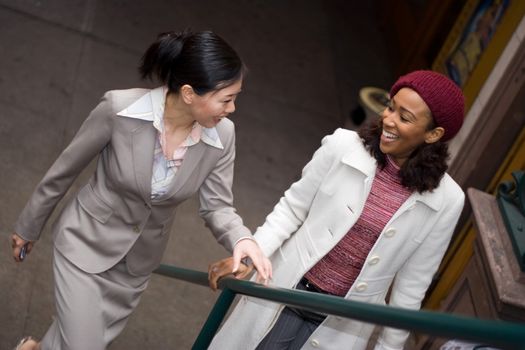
x: 423, y: 169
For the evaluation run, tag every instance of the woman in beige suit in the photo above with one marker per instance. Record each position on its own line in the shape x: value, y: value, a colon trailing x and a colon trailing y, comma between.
x: 155, y: 149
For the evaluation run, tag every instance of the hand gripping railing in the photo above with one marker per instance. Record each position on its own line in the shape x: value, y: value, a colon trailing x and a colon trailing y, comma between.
x: 497, y: 333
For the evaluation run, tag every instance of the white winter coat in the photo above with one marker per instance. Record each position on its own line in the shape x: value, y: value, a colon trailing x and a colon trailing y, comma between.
x: 309, y: 220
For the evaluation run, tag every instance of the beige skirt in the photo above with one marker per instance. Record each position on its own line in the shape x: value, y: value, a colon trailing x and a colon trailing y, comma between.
x: 91, y: 309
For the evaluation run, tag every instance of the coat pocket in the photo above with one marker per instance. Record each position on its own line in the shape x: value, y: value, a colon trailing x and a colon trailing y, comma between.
x: 93, y: 205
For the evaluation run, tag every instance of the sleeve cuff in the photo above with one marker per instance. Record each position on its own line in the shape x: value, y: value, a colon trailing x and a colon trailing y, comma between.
x: 243, y: 238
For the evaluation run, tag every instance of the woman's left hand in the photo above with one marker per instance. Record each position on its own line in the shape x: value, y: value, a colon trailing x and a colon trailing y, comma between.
x: 224, y: 267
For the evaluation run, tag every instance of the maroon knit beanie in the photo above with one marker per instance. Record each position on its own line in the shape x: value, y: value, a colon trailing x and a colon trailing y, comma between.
x: 444, y: 98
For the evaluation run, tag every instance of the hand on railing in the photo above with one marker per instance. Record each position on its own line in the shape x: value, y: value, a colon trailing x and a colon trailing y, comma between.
x: 224, y: 267
x: 248, y: 248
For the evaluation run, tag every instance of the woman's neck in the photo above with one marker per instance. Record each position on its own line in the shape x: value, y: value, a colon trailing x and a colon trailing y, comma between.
x: 177, y: 115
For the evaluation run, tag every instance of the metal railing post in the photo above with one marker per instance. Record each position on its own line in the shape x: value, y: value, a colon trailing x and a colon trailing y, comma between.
x: 214, y: 320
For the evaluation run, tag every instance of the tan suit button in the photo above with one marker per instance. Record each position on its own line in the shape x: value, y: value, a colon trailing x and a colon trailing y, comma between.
x: 136, y: 229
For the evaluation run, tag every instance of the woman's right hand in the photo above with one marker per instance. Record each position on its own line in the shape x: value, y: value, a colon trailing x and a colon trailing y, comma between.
x: 248, y: 248
x: 17, y: 243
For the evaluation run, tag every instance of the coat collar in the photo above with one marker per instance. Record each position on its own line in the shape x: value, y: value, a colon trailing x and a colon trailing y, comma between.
x: 433, y: 200
x: 150, y: 107
x: 359, y: 158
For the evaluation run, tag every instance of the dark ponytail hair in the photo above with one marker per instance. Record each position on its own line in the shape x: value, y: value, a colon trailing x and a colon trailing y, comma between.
x: 423, y: 169
x: 202, y: 60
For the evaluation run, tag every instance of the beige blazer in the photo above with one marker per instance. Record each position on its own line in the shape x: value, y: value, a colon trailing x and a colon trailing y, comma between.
x: 112, y: 216
x: 314, y: 215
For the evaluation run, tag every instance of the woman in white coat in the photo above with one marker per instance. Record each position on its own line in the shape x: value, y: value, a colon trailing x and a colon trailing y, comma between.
x: 372, y: 210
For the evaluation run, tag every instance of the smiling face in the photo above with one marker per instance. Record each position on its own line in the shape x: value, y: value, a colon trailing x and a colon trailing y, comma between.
x: 407, y: 124
x: 209, y: 109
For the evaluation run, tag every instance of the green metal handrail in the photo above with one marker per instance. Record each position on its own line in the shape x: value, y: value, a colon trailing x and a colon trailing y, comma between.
x: 497, y: 333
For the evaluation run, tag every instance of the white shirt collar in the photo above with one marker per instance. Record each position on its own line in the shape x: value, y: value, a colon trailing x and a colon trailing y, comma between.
x: 150, y: 107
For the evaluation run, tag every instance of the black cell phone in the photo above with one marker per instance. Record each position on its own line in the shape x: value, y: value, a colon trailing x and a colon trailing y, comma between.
x: 23, y: 252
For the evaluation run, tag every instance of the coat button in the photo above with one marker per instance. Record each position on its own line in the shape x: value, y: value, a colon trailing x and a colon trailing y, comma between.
x: 314, y: 342
x: 390, y: 232
x: 136, y: 229
x: 373, y: 260
x: 361, y: 287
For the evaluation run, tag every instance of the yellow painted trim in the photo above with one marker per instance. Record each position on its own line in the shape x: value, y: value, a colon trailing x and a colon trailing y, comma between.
x: 454, y: 36
x: 462, y: 248
x: 512, y: 17
x: 504, y: 31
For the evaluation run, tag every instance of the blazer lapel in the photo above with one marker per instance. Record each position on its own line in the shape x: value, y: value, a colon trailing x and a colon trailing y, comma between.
x: 144, y: 136
x: 143, y: 146
x: 192, y: 157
